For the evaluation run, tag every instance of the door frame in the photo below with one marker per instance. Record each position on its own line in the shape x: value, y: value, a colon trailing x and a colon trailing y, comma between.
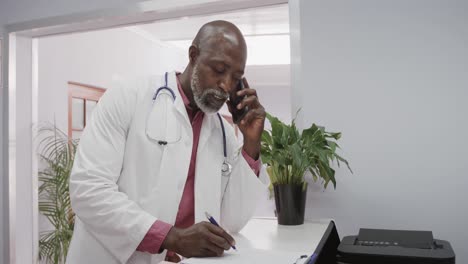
x: 20, y: 88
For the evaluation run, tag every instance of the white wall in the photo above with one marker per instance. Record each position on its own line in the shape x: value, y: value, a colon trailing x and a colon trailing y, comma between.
x: 2, y: 200
x: 272, y: 83
x: 393, y: 77
x: 3, y: 228
x: 20, y: 158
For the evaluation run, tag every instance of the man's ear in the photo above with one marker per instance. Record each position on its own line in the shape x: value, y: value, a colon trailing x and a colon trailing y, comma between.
x: 193, y: 54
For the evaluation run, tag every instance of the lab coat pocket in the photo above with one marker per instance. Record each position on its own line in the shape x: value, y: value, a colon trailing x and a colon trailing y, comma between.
x: 162, y: 126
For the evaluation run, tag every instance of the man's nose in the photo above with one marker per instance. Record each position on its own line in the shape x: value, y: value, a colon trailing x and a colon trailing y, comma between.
x: 227, y: 85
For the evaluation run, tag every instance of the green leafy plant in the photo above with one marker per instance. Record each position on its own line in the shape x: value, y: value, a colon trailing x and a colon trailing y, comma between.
x: 57, y: 151
x: 289, y: 154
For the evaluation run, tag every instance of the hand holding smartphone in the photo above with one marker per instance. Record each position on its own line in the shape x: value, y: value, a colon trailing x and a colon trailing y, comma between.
x: 234, y: 100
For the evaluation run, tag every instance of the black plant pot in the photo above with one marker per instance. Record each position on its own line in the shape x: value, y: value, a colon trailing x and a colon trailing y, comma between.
x: 290, y: 202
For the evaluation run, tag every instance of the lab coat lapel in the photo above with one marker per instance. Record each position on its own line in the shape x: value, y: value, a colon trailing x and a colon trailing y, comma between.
x: 208, y: 170
x: 175, y: 161
x: 209, y: 159
x: 209, y: 121
x: 207, y: 130
x: 179, y: 103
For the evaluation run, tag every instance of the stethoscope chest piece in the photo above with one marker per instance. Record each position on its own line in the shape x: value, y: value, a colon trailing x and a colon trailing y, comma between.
x: 226, y: 168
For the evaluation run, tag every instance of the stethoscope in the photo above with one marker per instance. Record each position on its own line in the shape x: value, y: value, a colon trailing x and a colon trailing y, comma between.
x: 226, y: 167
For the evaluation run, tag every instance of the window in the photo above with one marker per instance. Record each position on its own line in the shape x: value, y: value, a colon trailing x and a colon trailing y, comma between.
x: 82, y: 99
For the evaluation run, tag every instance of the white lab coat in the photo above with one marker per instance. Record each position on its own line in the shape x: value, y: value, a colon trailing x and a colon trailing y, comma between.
x: 122, y: 181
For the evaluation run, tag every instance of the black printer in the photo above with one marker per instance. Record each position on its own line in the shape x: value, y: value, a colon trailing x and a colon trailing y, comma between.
x: 379, y: 246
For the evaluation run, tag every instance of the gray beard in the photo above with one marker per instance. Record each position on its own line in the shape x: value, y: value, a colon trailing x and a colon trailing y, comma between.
x: 201, y: 95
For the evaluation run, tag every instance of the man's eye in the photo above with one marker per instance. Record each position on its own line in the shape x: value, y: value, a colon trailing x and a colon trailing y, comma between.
x: 219, y: 70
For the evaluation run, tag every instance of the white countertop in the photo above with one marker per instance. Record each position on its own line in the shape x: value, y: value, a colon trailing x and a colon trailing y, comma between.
x: 262, y: 240
x: 266, y: 234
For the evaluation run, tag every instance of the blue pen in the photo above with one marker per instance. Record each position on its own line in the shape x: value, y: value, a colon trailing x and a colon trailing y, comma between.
x: 213, y: 221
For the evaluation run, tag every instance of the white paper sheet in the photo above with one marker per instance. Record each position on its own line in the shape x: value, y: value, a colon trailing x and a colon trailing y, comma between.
x: 247, y: 257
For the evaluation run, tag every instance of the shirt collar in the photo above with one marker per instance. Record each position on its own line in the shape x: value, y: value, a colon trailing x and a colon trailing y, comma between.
x: 181, y: 91
x: 193, y: 114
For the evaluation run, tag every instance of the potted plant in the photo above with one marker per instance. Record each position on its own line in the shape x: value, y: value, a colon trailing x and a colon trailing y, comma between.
x: 57, y: 152
x: 289, y: 154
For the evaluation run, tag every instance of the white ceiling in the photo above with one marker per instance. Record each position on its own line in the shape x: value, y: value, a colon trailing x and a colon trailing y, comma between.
x: 266, y: 31
x: 273, y: 20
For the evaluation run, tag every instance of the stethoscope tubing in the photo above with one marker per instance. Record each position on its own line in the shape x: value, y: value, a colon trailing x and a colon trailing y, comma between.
x: 226, y: 166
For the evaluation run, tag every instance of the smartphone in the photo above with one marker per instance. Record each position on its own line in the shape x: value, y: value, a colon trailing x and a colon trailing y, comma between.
x: 234, y: 100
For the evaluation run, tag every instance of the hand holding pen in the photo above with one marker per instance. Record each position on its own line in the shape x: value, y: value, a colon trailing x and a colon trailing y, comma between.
x: 202, y: 239
x: 213, y: 221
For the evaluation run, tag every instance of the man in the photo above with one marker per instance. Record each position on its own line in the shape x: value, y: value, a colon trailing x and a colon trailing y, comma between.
x: 149, y: 163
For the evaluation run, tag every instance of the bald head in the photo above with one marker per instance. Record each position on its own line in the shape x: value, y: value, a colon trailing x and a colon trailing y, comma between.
x: 220, y: 34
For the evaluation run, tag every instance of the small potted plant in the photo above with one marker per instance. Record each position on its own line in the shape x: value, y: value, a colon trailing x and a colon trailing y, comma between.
x: 289, y: 154
x: 57, y: 151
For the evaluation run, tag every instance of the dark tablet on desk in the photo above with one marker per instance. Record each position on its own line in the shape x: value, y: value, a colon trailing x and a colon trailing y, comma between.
x: 325, y: 253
